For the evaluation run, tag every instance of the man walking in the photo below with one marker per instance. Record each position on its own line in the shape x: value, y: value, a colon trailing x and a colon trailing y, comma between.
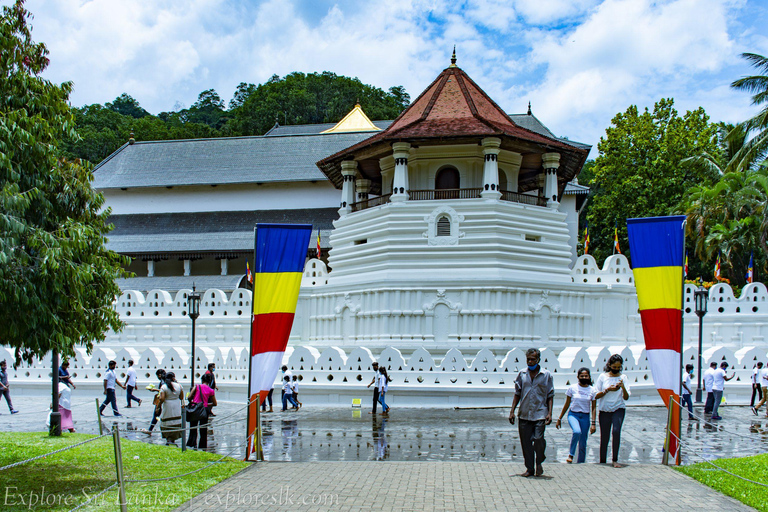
x: 110, y: 379
x: 718, y: 386
x: 708, y: 377
x: 5, y: 388
x: 130, y: 382
x: 535, y: 392
x: 757, y: 390
x: 375, y: 384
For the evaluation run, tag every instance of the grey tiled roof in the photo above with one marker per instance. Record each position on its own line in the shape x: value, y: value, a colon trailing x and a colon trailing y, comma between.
x: 198, y: 232
x: 173, y: 284
x: 220, y: 161
x: 531, y: 122
x: 310, y: 129
x: 576, y: 188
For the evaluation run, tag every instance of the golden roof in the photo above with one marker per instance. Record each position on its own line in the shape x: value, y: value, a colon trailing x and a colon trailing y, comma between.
x: 355, y: 121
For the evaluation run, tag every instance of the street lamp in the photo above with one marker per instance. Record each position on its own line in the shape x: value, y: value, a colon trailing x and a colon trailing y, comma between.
x: 193, y: 303
x: 700, y: 299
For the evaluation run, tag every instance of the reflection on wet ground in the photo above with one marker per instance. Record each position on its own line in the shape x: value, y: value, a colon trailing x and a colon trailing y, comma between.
x: 345, y: 434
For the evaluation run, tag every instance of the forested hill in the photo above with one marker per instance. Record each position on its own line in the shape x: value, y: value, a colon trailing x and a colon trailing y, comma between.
x: 297, y: 98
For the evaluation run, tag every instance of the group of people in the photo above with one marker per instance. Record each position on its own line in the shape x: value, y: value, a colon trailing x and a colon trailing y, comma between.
x: 586, y: 403
x: 289, y: 392
x: 380, y: 383
x: 759, y: 388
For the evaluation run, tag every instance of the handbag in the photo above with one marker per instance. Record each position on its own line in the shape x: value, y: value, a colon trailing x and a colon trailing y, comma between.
x: 196, y: 411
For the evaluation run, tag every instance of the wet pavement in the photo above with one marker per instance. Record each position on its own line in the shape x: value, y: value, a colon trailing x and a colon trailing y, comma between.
x: 412, y: 434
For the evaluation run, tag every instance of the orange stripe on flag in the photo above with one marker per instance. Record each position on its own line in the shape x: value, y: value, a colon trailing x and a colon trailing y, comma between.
x: 674, y: 445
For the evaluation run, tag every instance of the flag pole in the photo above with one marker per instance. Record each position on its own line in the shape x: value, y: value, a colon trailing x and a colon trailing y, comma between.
x: 250, y: 366
x: 678, y: 457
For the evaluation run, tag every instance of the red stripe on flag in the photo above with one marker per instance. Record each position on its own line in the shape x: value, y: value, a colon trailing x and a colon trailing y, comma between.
x: 270, y: 332
x: 662, y: 328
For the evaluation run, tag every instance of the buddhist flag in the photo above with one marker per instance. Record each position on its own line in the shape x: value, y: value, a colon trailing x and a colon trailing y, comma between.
x: 281, y: 250
x: 751, y: 268
x: 657, y: 245
x: 685, y: 268
x: 586, y: 238
x: 616, y: 248
x: 318, y: 244
x: 717, y: 267
x: 248, y: 274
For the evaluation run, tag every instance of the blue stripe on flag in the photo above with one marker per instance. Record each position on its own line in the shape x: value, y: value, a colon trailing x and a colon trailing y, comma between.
x: 656, y: 241
x: 281, y: 247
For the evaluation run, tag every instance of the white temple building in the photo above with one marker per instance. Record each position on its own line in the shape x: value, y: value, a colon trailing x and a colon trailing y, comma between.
x: 451, y: 238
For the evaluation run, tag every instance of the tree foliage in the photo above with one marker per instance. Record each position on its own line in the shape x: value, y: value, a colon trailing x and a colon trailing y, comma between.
x: 638, y: 172
x: 57, y: 280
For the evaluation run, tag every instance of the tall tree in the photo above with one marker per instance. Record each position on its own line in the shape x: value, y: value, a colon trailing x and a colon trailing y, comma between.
x: 57, y: 280
x: 756, y: 149
x: 638, y: 173
x: 127, y: 106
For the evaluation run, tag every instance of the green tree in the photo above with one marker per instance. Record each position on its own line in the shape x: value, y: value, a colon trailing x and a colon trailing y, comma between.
x: 638, y: 173
x: 207, y: 110
x: 57, y: 280
x: 300, y: 98
x: 756, y: 148
x: 127, y: 106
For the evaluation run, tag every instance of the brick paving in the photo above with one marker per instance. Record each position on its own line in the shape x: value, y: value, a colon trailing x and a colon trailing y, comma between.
x: 465, y: 486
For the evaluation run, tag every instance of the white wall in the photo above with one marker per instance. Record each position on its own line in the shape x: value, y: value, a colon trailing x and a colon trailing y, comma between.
x: 269, y: 196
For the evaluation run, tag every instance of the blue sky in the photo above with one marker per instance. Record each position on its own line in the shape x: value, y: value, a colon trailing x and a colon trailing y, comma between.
x: 579, y: 62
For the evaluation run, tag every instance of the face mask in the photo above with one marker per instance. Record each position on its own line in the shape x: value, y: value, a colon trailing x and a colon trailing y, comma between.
x: 534, y: 367
x: 584, y: 382
x: 615, y: 372
x: 213, y: 370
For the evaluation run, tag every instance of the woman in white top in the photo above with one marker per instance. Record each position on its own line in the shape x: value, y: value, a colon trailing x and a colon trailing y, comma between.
x: 612, y: 391
x: 580, y: 397
x: 170, y: 398
x: 384, y: 380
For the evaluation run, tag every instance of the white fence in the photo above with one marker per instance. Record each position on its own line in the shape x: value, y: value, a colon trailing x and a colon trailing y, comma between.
x: 421, y: 378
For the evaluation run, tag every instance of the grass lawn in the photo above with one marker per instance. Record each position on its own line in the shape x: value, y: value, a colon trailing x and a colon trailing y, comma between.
x: 67, y: 479
x: 755, y: 468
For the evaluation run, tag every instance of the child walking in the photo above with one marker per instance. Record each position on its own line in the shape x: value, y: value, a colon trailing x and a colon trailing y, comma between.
x: 295, y: 388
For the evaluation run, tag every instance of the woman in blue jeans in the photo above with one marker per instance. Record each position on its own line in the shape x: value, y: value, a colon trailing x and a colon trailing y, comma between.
x: 580, y: 398
x: 383, y: 385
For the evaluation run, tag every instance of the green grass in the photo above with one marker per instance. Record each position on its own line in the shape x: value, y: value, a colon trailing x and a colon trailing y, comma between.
x: 62, y: 481
x: 755, y: 468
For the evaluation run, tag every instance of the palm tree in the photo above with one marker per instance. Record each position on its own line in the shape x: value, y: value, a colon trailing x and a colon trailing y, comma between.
x: 756, y: 148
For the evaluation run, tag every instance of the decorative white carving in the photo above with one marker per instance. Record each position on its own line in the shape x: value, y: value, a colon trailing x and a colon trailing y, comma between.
x: 544, y: 301
x: 440, y: 298
x: 354, y: 308
x: 431, y: 233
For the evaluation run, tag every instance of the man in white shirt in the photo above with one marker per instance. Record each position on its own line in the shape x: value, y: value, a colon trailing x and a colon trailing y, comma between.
x: 764, y: 384
x: 718, y: 386
x: 686, y: 394
x: 110, y: 380
x: 757, y: 390
x: 707, y: 377
x: 130, y: 383
x: 375, y: 384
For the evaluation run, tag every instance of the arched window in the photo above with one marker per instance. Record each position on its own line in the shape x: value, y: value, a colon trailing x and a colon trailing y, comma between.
x: 447, y: 183
x: 502, y: 180
x: 443, y: 226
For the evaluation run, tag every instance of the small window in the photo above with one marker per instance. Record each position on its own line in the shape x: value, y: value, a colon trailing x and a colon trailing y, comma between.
x: 443, y: 227
x: 532, y: 238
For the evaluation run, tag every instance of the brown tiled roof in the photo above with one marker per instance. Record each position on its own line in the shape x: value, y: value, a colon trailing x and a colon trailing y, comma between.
x: 452, y: 107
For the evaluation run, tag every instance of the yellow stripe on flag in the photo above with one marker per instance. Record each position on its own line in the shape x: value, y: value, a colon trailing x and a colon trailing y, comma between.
x: 659, y: 287
x: 275, y: 292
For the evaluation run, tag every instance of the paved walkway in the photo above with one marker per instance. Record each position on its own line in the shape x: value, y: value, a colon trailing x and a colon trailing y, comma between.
x: 466, y: 486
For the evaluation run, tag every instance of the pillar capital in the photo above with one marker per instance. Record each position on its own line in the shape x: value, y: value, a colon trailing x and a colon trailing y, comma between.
x: 491, y: 145
x: 401, y: 150
x: 550, y: 160
x: 348, y: 168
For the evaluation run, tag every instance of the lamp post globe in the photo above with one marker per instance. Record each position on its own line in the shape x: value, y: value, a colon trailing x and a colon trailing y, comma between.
x: 193, y: 305
x: 700, y: 300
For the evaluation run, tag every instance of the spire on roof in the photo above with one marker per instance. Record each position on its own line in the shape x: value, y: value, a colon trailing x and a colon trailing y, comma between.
x: 453, y: 57
x: 529, y: 108
x: 131, y: 140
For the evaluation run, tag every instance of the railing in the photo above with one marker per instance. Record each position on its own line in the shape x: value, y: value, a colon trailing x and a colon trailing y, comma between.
x: 451, y: 193
x: 370, y: 203
x: 446, y: 193
x: 517, y: 197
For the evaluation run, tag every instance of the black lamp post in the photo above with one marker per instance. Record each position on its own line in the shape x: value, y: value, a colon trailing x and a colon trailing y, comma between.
x: 55, y: 428
x: 700, y: 298
x: 193, y: 303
